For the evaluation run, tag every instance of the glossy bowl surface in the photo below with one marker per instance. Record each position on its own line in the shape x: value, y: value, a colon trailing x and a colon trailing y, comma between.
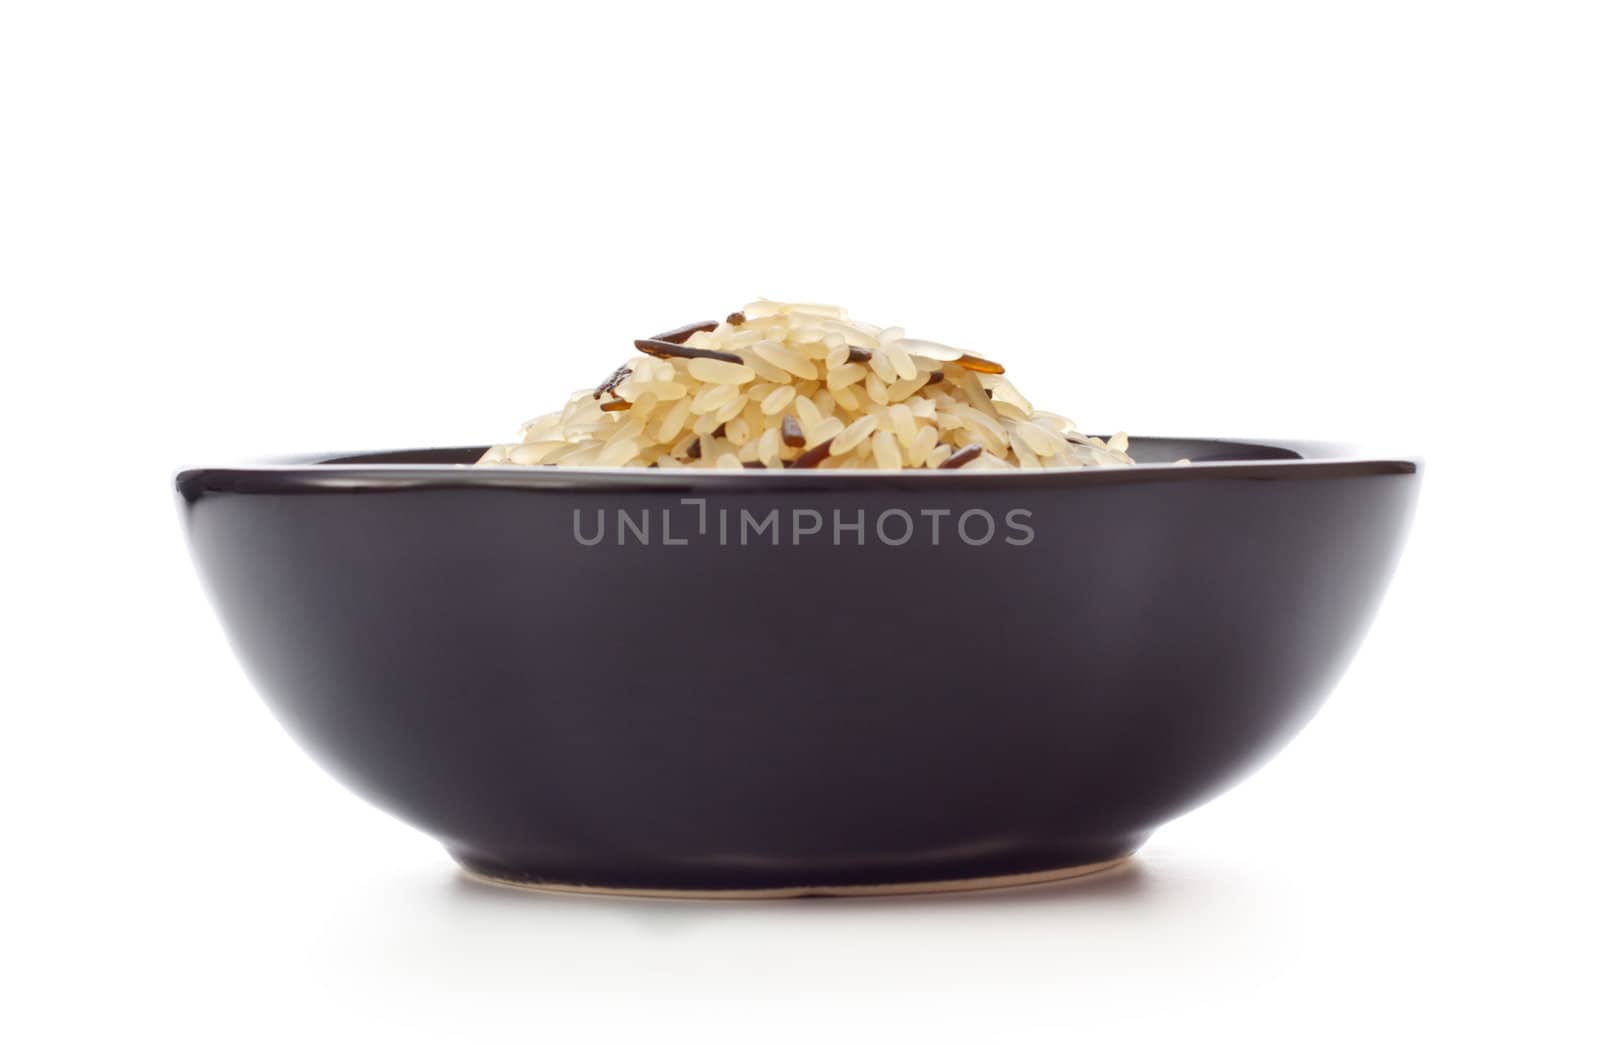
x: 758, y: 683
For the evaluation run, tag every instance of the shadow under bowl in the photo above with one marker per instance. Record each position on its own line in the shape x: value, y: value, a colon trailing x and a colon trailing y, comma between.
x: 783, y: 683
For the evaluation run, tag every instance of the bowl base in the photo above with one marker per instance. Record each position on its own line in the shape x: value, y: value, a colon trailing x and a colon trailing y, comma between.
x: 950, y: 885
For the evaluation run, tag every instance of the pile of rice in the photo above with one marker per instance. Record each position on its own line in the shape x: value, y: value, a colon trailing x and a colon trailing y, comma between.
x: 804, y: 386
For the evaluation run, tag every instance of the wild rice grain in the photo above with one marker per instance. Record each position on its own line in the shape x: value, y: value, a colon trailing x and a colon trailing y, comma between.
x: 979, y: 364
x: 814, y: 456
x: 967, y: 453
x: 653, y: 346
x: 678, y: 335
x: 791, y: 434
x: 610, y: 383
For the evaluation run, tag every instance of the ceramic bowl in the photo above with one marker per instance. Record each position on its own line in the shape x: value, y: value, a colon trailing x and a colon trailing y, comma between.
x: 773, y: 684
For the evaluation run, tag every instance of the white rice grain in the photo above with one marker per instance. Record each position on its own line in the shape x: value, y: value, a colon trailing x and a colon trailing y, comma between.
x: 848, y: 374
x: 900, y: 359
x: 712, y: 398
x: 853, y: 434
x: 886, y: 451
x: 720, y: 372
x: 905, y: 425
x: 785, y: 358
x: 921, y: 446
x: 777, y: 399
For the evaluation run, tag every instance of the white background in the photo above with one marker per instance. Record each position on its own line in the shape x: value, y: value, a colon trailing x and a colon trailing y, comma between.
x: 233, y: 229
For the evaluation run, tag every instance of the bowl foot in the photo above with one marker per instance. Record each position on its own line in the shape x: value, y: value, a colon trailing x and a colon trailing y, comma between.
x: 950, y: 885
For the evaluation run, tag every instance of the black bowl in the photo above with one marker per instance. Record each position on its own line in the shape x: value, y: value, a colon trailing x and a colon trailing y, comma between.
x: 780, y: 683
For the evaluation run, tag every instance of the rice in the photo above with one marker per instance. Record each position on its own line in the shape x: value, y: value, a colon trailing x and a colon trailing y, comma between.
x: 780, y: 385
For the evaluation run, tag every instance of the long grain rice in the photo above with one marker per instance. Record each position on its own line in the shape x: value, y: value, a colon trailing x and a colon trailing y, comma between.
x: 780, y: 385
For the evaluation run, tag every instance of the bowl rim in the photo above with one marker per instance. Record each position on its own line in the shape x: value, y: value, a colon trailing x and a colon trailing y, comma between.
x: 333, y: 472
